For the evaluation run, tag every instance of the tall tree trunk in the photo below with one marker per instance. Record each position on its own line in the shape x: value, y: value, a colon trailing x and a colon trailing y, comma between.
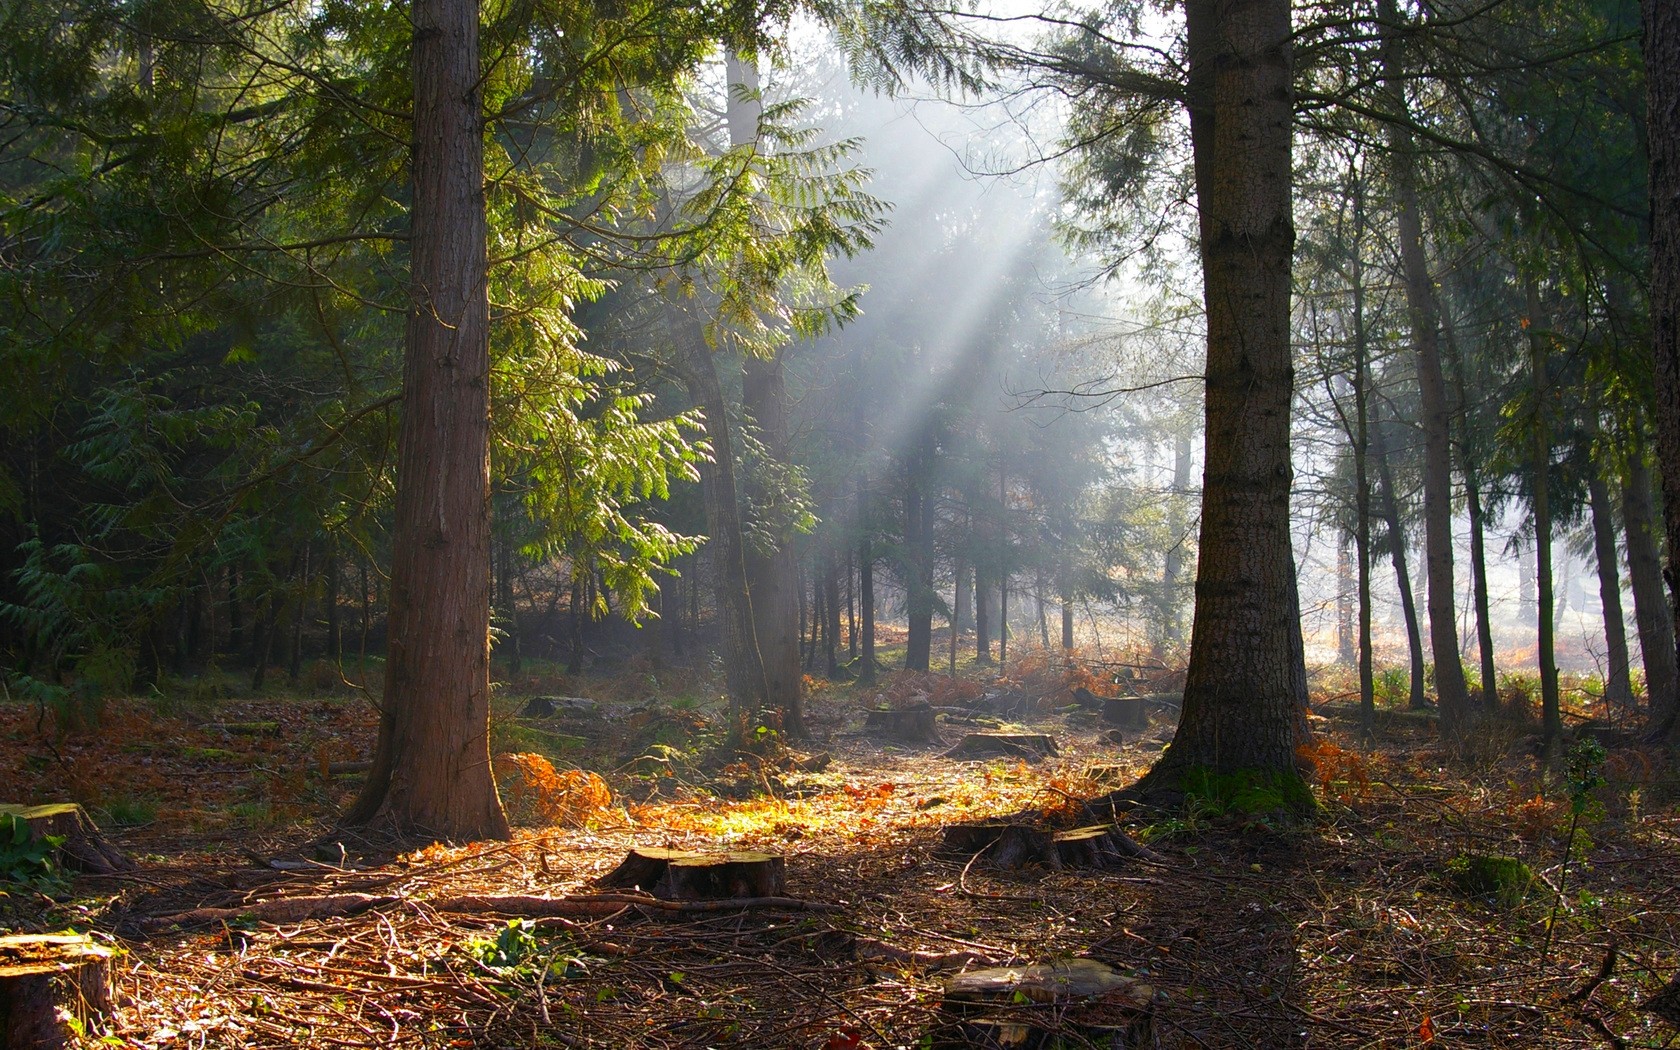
x: 1662, y: 86
x: 866, y: 581
x: 1618, y: 689
x: 772, y: 575
x: 1345, y: 654
x: 742, y: 666
x: 1397, y: 554
x: 918, y: 552
x: 831, y: 605
x: 1470, y: 456
x: 982, y: 618
x: 431, y: 765
x: 1172, y: 565
x: 1650, y: 608
x: 1450, y: 688
x: 1540, y: 463
x: 1361, y: 470
x: 1245, y: 691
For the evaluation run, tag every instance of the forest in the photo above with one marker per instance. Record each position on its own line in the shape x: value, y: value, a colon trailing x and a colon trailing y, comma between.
x: 849, y: 524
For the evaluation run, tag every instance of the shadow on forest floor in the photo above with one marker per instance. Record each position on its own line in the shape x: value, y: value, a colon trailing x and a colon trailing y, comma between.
x: 1344, y: 933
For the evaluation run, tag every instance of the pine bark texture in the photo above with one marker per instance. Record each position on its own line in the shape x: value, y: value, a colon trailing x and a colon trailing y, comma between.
x: 1245, y: 688
x: 431, y: 769
x: 1650, y: 609
x: 1662, y: 85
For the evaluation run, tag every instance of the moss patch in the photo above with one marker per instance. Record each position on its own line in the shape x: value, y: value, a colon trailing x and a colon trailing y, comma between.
x: 1491, y: 876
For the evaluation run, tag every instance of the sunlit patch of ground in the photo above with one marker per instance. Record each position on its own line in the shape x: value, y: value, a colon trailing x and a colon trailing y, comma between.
x: 1342, y: 933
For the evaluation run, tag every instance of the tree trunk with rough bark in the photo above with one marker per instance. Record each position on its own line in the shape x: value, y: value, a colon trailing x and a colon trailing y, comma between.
x: 1662, y: 86
x: 1245, y: 689
x: 431, y: 766
x: 1650, y: 609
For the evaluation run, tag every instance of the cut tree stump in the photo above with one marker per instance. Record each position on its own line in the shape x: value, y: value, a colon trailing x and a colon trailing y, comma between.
x: 914, y: 724
x: 685, y: 875
x: 48, y: 983
x: 1004, y: 745
x: 84, y: 848
x: 1013, y: 846
x: 1071, y: 1002
x: 1129, y: 711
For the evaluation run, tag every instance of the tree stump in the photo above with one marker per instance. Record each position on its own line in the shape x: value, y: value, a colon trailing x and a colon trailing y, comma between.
x: 1072, y: 1002
x: 1004, y: 745
x: 46, y: 981
x: 1013, y: 846
x: 1131, y: 712
x: 674, y: 874
x: 1006, y: 846
x: 915, y: 724
x: 84, y: 848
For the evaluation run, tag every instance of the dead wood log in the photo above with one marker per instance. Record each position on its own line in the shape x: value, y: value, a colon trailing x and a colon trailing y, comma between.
x: 1031, y: 746
x: 915, y: 724
x: 278, y: 910
x: 84, y: 848
x: 49, y: 985
x: 1073, y: 1001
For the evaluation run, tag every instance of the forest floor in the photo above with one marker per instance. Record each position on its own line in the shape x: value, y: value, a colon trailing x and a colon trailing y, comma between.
x: 1348, y: 929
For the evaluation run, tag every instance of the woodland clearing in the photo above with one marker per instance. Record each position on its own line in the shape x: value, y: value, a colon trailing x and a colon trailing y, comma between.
x: 1355, y: 928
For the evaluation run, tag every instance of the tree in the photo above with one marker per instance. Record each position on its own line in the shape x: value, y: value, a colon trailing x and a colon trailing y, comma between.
x: 1245, y: 689
x: 431, y: 765
x: 1662, y: 85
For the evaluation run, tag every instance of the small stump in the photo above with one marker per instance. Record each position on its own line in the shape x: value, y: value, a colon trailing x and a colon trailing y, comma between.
x: 675, y: 874
x: 1014, y: 846
x: 1132, y: 712
x: 84, y: 848
x: 1072, y: 1002
x: 48, y: 981
x: 915, y: 724
x: 1004, y: 745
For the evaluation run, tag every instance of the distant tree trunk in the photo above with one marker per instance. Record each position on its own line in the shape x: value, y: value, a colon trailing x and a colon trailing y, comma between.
x: 1450, y: 688
x: 962, y: 595
x: 918, y: 547
x: 1003, y: 621
x: 235, y: 614
x: 431, y: 764
x: 831, y: 603
x: 335, y: 623
x: 1470, y: 456
x: 1345, y: 654
x: 851, y: 609
x: 1397, y: 553
x: 507, y: 611
x: 1067, y: 608
x: 1618, y: 688
x: 1245, y: 691
x: 1662, y: 86
x: 1650, y: 608
x: 982, y: 618
x: 742, y: 666
x: 1172, y: 565
x: 1361, y: 465
x: 866, y: 581
x: 1540, y: 463
x: 1003, y: 632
